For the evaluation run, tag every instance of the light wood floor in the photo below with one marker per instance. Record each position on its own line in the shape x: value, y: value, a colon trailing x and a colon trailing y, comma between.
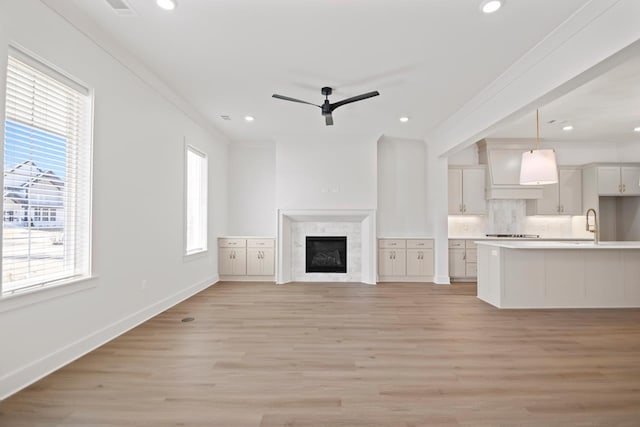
x: 349, y: 355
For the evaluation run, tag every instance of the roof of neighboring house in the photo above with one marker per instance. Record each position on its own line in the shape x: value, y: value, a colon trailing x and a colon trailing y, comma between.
x: 25, y: 175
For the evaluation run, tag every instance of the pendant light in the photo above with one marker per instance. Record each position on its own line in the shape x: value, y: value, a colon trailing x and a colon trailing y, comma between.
x: 538, y: 167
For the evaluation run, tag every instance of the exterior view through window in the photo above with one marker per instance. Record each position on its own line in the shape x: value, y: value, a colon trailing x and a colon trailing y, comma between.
x: 196, y: 215
x: 47, y: 177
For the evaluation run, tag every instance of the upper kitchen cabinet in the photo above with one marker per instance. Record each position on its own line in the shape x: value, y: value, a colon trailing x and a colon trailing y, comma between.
x: 614, y: 180
x: 467, y: 191
x: 564, y: 198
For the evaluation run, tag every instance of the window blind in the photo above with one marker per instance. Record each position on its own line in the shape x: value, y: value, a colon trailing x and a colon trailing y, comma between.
x: 196, y: 203
x: 47, y: 177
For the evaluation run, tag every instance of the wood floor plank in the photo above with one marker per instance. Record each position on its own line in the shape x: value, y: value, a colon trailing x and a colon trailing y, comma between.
x: 330, y: 354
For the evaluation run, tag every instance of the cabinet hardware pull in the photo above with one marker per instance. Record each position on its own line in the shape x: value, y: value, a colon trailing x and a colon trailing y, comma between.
x: 460, y: 208
x: 624, y: 188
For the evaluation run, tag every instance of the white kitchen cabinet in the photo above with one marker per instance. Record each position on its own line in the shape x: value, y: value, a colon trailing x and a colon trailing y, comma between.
x: 630, y: 179
x: 233, y: 262
x: 405, y: 260
x: 419, y: 262
x: 618, y: 180
x: 564, y: 198
x: 392, y: 262
x: 260, y: 262
x: 457, y: 263
x: 467, y: 191
x: 463, y: 261
x: 242, y: 259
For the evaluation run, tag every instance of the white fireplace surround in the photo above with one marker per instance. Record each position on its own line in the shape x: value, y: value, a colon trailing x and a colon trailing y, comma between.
x: 288, y: 256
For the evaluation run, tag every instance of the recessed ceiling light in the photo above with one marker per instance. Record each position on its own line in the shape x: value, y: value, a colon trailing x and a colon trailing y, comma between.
x: 249, y: 118
x: 636, y: 129
x: 167, y: 4
x: 567, y: 128
x: 404, y: 119
x: 490, y: 6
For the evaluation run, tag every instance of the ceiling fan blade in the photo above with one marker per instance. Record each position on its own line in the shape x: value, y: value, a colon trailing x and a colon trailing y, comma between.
x: 286, y: 98
x: 354, y: 99
x: 328, y: 120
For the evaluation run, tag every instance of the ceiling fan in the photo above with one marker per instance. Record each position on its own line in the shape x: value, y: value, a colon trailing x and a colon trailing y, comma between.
x: 328, y: 107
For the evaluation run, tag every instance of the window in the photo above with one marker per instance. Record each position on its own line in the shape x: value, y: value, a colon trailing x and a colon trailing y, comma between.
x: 196, y: 203
x: 47, y: 170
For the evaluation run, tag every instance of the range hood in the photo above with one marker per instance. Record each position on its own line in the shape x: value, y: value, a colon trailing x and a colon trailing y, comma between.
x: 503, y: 158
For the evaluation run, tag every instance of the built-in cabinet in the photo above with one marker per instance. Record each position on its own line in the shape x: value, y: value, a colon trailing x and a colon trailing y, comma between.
x: 467, y: 191
x: 463, y: 259
x: 242, y: 259
x: 405, y: 260
x: 618, y: 180
x: 563, y: 198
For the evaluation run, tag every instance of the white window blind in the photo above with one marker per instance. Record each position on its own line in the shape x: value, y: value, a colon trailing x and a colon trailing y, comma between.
x: 196, y: 203
x: 47, y: 177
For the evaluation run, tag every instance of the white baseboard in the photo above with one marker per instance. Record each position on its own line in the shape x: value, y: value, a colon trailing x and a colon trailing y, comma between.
x: 248, y: 279
x: 442, y: 280
x: 22, y: 377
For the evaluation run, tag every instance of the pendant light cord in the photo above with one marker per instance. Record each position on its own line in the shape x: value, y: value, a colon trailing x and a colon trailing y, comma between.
x: 537, y: 129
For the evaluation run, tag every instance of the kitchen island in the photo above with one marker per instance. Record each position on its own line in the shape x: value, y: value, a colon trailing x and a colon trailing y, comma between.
x: 526, y: 274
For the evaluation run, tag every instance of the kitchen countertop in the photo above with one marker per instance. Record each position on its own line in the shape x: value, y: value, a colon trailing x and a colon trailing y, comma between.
x: 526, y: 239
x: 561, y: 245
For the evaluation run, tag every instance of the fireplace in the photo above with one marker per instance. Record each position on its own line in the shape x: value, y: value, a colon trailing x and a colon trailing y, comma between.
x: 326, y: 254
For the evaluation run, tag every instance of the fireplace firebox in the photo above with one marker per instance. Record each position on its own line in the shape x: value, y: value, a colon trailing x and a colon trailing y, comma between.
x: 326, y: 254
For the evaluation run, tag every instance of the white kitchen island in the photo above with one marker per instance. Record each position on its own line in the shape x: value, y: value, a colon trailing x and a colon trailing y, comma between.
x: 525, y: 274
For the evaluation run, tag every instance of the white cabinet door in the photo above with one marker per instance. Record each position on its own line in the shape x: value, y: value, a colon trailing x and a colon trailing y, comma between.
x: 550, y: 202
x: 415, y: 263
x: 225, y: 261
x: 630, y: 181
x: 472, y: 269
x: 457, y: 264
x: 254, y: 262
x: 570, y: 191
x: 399, y: 262
x: 473, y: 192
x: 385, y: 262
x: 455, y: 191
x: 609, y: 180
x: 268, y: 262
x: 239, y: 259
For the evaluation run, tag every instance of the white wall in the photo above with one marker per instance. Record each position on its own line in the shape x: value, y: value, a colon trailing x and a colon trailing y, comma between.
x: 330, y: 171
x: 137, y: 207
x: 252, y: 189
x: 402, y: 188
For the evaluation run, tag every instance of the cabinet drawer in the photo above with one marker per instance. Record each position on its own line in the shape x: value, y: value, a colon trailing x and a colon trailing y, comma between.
x: 456, y: 244
x: 392, y: 243
x: 472, y: 255
x: 260, y: 243
x: 232, y: 243
x: 471, y: 244
x: 420, y: 244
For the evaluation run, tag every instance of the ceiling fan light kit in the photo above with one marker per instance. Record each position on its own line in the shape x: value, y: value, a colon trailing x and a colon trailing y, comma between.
x: 328, y: 107
x: 538, y: 167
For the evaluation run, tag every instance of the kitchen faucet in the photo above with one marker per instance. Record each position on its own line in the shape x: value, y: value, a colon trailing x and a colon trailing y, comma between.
x: 593, y: 228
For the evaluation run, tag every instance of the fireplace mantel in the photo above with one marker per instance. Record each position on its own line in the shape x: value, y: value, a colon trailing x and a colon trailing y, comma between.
x: 360, y: 222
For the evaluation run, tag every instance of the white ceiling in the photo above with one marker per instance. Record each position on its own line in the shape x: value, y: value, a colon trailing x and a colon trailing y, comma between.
x: 606, y: 109
x: 426, y: 57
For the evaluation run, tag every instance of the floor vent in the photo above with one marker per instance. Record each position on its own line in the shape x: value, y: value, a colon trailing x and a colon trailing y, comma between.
x: 188, y: 319
x: 121, y: 7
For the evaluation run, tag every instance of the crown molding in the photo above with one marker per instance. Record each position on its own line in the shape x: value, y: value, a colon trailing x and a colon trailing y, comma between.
x: 87, y: 27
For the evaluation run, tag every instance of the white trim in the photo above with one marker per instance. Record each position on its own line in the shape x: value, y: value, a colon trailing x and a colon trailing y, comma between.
x: 442, y: 280
x: 190, y: 147
x: 45, y: 293
x: 22, y: 377
x: 575, y: 52
x: 85, y: 26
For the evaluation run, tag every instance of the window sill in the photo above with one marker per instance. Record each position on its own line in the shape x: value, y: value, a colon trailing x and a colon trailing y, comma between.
x: 34, y: 296
x: 195, y: 252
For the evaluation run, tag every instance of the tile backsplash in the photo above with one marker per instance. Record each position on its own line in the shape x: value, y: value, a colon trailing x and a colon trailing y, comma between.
x: 509, y: 217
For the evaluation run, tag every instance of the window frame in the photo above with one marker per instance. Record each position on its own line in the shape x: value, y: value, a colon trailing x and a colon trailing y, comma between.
x: 47, y: 289
x: 188, y: 252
